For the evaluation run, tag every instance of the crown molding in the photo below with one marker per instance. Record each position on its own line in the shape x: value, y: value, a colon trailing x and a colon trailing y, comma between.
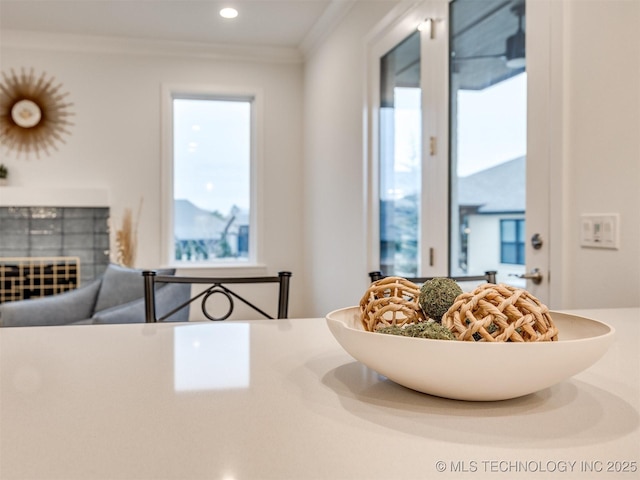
x: 30, y: 40
x: 391, y: 20
x: 330, y: 19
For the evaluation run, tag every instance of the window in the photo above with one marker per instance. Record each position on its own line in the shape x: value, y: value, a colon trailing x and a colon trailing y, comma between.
x: 400, y: 157
x: 512, y: 241
x: 446, y: 172
x: 211, y: 206
x: 487, y: 114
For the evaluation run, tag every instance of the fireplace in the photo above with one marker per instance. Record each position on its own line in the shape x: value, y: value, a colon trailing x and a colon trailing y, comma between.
x: 22, y: 278
x: 55, y: 225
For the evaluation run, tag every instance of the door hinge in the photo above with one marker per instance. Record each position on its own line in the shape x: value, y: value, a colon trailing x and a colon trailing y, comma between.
x: 433, y: 146
x: 429, y: 24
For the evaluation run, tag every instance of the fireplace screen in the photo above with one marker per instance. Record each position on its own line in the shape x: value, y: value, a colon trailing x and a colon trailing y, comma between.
x: 22, y: 278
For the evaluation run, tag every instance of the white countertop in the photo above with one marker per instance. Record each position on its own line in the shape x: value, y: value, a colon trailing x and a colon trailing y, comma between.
x: 281, y: 399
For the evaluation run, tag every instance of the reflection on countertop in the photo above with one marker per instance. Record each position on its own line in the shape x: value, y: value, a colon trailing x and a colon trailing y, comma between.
x: 208, y: 358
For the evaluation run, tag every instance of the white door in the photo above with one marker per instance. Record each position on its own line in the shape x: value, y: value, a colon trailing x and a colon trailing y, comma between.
x: 544, y: 150
x: 483, y: 141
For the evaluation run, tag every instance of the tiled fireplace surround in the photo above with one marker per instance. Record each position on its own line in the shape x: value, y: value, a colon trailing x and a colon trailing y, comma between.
x: 57, y: 232
x: 56, y: 223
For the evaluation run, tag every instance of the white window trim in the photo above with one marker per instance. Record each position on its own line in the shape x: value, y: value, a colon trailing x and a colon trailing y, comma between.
x: 168, y: 93
x: 435, y: 171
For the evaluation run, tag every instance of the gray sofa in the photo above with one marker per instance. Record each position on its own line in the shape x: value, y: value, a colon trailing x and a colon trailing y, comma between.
x: 117, y: 296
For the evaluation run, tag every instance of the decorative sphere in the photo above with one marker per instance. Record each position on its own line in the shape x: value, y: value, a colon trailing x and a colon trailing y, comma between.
x: 500, y: 313
x: 390, y: 301
x: 437, y: 295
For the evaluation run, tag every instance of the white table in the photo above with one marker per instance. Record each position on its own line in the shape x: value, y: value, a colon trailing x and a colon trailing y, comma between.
x: 152, y: 401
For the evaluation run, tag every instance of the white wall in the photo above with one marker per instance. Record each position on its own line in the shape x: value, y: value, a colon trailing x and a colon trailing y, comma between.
x: 115, y: 142
x: 334, y: 175
x: 602, y: 148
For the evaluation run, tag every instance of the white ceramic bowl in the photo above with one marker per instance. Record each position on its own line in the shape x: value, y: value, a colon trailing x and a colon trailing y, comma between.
x: 474, y: 370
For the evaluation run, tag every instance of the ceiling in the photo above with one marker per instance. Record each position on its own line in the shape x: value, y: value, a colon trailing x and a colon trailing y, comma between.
x: 479, y: 28
x: 275, y: 23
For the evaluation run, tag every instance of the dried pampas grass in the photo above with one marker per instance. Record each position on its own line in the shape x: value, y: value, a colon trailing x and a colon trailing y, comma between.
x: 126, y: 239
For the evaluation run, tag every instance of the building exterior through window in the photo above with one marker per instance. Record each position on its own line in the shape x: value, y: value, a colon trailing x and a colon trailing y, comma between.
x: 212, y: 160
x: 483, y: 186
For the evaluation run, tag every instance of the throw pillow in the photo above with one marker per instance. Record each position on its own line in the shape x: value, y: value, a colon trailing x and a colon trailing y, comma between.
x: 121, y: 285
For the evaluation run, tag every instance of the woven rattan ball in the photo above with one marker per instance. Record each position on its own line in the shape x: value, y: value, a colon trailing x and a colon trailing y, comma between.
x: 390, y: 301
x: 500, y: 313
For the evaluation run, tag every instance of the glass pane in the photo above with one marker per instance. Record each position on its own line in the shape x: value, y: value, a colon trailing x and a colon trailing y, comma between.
x: 400, y: 158
x: 508, y: 228
x: 488, y: 85
x: 521, y: 231
x: 509, y: 253
x: 212, y: 153
x: 512, y: 242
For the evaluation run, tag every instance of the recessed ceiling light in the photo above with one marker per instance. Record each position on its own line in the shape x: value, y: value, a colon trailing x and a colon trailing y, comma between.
x: 228, y: 12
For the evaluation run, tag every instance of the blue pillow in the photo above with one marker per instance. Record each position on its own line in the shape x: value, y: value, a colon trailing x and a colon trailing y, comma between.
x: 122, y: 285
x: 168, y: 297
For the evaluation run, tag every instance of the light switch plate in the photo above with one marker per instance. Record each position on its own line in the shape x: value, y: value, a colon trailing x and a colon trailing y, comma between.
x: 600, y: 230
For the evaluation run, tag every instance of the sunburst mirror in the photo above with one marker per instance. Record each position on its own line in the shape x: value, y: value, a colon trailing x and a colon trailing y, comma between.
x: 34, y: 114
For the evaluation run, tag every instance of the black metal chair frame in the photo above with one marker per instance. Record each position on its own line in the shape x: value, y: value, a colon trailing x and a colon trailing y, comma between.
x: 489, y: 277
x: 216, y: 285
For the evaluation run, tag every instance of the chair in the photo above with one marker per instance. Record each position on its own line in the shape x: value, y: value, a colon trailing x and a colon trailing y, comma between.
x: 215, y: 285
x: 489, y: 277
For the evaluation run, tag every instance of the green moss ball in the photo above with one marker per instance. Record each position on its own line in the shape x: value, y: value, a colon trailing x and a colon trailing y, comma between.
x: 437, y: 295
x: 427, y: 329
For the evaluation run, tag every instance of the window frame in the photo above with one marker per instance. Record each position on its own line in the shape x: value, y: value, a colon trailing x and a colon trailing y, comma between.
x: 433, y: 257
x: 519, y: 243
x: 222, y: 93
